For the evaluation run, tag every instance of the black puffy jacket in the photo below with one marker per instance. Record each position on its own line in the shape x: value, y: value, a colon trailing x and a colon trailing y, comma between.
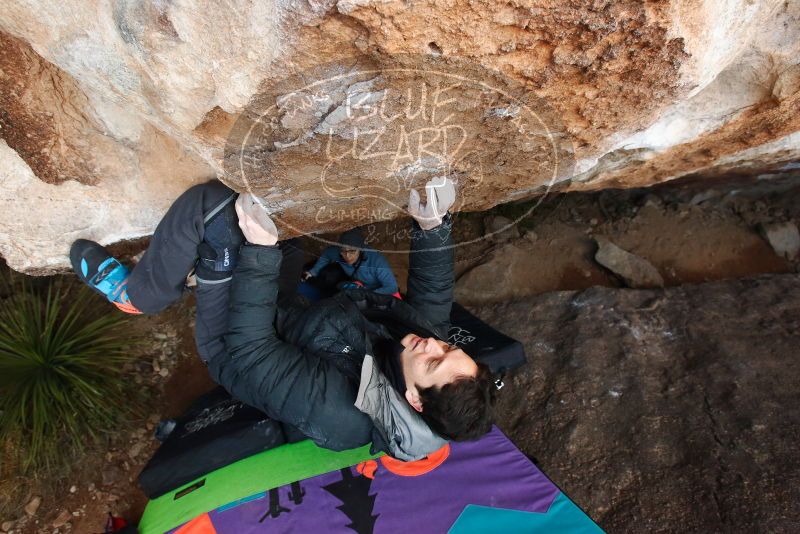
x: 306, y: 372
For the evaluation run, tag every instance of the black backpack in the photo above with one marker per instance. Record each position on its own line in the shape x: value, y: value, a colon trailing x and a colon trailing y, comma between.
x: 215, y: 432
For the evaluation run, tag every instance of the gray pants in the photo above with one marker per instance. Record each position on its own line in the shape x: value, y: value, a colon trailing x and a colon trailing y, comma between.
x: 159, y: 279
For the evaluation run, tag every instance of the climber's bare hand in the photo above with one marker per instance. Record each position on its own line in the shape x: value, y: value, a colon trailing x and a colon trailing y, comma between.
x: 441, y: 195
x: 256, y: 224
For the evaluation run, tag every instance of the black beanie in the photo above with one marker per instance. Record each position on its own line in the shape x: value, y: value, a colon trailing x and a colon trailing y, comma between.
x: 352, y: 239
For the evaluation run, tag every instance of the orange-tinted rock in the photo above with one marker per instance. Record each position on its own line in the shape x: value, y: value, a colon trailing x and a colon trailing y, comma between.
x: 137, y: 101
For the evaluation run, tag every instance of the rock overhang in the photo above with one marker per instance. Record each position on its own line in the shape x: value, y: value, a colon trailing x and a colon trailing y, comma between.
x: 145, y: 100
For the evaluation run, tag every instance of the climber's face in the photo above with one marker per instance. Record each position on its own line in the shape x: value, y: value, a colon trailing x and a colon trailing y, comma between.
x: 430, y: 362
x: 349, y: 255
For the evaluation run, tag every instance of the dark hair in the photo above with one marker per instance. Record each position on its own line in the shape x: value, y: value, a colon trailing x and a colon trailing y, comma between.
x: 463, y: 409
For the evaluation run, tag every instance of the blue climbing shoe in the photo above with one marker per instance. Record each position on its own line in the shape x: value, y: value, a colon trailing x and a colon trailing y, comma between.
x: 102, y: 272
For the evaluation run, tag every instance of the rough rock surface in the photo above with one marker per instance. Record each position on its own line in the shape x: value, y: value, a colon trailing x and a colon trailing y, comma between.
x: 663, y: 410
x: 635, y: 271
x: 500, y: 228
x: 687, y: 242
x: 784, y: 238
x: 109, y: 109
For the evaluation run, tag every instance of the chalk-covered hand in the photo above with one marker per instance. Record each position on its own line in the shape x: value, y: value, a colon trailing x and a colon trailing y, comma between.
x: 255, y: 222
x: 441, y: 194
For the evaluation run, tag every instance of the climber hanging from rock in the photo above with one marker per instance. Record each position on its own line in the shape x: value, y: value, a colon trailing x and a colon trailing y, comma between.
x: 355, y: 368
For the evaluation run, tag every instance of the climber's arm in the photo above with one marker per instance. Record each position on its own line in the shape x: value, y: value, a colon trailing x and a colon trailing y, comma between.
x: 262, y: 370
x: 328, y: 256
x: 431, y: 273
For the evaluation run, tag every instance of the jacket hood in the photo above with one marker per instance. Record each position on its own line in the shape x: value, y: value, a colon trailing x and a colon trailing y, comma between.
x: 399, y: 429
x: 346, y: 328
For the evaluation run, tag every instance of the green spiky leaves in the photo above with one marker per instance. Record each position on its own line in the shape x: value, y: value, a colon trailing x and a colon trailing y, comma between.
x: 61, y: 382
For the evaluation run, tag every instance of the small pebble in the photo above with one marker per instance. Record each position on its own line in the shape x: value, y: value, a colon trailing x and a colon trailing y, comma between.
x: 33, y: 505
x: 63, y: 518
x: 135, y: 450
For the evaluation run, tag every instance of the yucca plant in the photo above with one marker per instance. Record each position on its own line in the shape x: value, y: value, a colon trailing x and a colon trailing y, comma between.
x: 61, y: 382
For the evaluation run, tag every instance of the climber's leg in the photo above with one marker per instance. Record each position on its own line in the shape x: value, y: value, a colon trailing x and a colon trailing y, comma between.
x: 211, y: 317
x: 200, y: 225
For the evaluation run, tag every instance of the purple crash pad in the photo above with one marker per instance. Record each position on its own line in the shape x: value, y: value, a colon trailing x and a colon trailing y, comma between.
x: 488, y: 472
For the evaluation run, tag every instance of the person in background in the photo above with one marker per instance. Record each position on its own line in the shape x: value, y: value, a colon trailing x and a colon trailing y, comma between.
x: 350, y: 265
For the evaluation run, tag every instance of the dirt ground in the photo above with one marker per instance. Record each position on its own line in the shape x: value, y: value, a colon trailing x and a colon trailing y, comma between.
x: 105, y: 479
x: 663, y: 410
x: 690, y: 234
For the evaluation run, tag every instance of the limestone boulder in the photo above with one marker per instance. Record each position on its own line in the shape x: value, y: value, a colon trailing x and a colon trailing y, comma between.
x: 634, y: 270
x: 784, y: 238
x: 330, y: 111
